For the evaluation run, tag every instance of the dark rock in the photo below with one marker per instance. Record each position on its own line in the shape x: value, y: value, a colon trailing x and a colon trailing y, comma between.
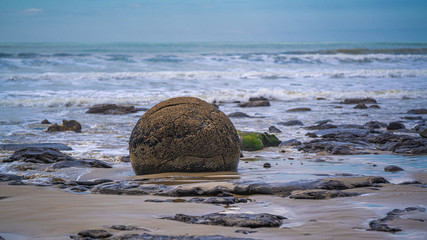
x: 300, y: 109
x: 254, y: 99
x: 238, y: 115
x: 292, y: 142
x: 233, y: 220
x: 375, y: 106
x: 147, y: 236
x: 94, y: 234
x: 395, y: 126
x: 261, y: 103
x: 361, y: 106
x: 321, y: 126
x: 111, y: 109
x: 358, y: 100
x: 418, y: 111
x: 38, y: 155
x: 320, y: 194
x: 92, y: 182
x: 78, y: 189
x: 374, y: 125
x: 320, y: 98
x: 413, y: 117
x: 67, y: 125
x: 410, y: 183
x: 45, y: 122
x: 10, y: 177
x: 291, y: 123
x: 423, y: 133
x: 244, y: 231
x: 218, y: 200
x: 350, y: 182
x: 381, y: 224
x: 311, y: 135
x: 15, y: 147
x: 125, y: 158
x: 184, y: 134
x: 267, y: 165
x: 340, y: 132
x: 393, y: 168
x: 16, y: 183
x: 273, y: 129
x: 126, y: 228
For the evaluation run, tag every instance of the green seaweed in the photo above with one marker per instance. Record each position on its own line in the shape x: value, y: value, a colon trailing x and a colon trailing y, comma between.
x: 254, y: 141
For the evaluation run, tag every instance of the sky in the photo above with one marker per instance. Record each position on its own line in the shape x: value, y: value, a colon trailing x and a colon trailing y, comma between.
x: 213, y: 20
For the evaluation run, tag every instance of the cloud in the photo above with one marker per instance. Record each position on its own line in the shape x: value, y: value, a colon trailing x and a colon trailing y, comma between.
x: 33, y: 10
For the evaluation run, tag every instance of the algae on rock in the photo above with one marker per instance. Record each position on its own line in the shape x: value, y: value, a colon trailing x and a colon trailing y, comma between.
x: 253, y: 141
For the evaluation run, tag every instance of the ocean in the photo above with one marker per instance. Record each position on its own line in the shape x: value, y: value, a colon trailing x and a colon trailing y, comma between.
x: 57, y: 81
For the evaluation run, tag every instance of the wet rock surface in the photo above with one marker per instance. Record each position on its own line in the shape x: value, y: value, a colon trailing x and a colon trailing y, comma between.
x: 382, y: 224
x: 254, y: 141
x: 212, y: 200
x: 238, y: 115
x: 417, y: 111
x: 358, y: 100
x: 112, y: 109
x: 291, y: 123
x: 274, y: 129
x: 67, y: 125
x: 393, y: 168
x: 184, y: 134
x: 320, y: 194
x: 256, y: 102
x: 233, y: 220
x: 299, y: 109
x: 15, y: 147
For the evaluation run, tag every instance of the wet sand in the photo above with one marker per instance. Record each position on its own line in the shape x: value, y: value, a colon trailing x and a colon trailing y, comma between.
x: 49, y: 213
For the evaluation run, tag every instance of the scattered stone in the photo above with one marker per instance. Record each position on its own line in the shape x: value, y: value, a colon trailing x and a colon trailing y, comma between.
x: 291, y: 123
x: 184, y: 134
x: 254, y: 141
x: 320, y: 98
x: 423, y: 133
x: 267, y: 165
x: 92, y: 182
x: 374, y: 125
x: 67, y: 125
x: 292, y: 142
x: 125, y: 158
x: 375, y: 106
x: 233, y: 220
x: 15, y: 147
x: 418, y: 111
x: 244, y: 231
x: 322, y: 125
x: 126, y: 228
x: 255, y: 103
x: 358, y: 100
x: 253, y: 99
x: 395, y: 126
x: 300, y: 109
x: 78, y: 189
x: 311, y: 135
x: 410, y: 182
x: 238, y: 115
x: 361, y: 106
x: 393, y: 168
x: 320, y: 194
x: 273, y: 129
x: 94, y: 234
x: 94, y: 163
x: 350, y: 182
x: 45, y: 122
x: 112, y: 109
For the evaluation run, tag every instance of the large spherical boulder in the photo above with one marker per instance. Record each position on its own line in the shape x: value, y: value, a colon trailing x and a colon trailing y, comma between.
x: 184, y: 134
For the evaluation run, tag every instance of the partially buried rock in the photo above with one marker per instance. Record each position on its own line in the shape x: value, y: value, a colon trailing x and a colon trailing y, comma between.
x: 111, y: 109
x: 45, y: 122
x: 395, y: 126
x: 184, y: 134
x: 94, y: 234
x: 423, y: 133
x: 67, y: 125
x: 374, y: 125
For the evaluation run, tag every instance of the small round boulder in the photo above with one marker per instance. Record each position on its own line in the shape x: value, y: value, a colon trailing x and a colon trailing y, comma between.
x: 184, y: 134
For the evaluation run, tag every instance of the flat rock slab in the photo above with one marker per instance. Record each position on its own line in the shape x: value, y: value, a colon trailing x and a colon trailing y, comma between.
x: 233, y: 220
x: 16, y: 147
x: 410, y: 215
x: 320, y: 194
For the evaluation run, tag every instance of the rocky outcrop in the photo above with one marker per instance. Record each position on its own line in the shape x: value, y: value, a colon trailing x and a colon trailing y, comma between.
x: 397, y: 214
x: 67, y: 125
x: 184, y: 134
x: 232, y: 220
x: 358, y: 100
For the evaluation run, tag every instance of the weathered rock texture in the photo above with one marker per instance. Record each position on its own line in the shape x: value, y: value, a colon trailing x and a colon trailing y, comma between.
x: 67, y: 125
x: 184, y: 134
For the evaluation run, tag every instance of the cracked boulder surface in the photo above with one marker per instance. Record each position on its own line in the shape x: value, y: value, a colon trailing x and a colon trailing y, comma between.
x: 184, y: 134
